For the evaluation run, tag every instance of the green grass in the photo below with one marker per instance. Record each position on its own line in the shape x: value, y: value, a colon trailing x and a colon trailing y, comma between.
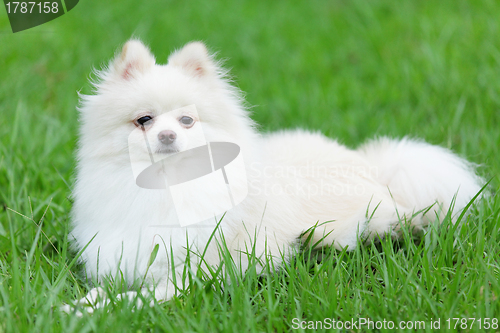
x: 351, y: 69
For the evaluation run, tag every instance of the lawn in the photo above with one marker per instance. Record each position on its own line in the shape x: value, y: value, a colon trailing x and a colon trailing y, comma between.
x: 350, y: 69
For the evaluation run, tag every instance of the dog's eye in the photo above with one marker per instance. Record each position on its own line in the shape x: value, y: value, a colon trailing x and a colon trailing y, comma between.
x: 143, y: 120
x: 186, y: 121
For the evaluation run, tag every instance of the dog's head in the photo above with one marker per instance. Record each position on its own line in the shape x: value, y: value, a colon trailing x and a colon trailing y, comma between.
x: 175, y: 107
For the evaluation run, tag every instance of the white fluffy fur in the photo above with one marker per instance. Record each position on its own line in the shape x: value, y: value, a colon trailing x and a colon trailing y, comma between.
x: 296, y: 178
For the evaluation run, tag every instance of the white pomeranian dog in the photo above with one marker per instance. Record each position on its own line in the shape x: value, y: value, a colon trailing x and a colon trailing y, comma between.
x: 262, y: 192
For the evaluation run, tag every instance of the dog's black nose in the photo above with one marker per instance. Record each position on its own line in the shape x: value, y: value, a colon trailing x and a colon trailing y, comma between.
x: 167, y: 137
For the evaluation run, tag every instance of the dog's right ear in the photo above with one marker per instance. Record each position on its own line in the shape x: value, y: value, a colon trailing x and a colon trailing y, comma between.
x: 135, y: 59
x: 194, y: 59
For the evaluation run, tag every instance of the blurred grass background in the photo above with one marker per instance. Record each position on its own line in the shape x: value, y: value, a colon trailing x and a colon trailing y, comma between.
x: 351, y: 69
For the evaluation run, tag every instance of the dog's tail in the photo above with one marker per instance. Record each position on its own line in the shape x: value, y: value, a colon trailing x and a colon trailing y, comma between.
x: 419, y: 175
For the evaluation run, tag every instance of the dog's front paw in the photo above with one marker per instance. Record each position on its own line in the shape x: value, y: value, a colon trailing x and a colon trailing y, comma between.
x: 96, y: 299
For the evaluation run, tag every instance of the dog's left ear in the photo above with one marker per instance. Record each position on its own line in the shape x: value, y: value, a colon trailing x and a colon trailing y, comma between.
x: 135, y: 59
x: 195, y: 59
